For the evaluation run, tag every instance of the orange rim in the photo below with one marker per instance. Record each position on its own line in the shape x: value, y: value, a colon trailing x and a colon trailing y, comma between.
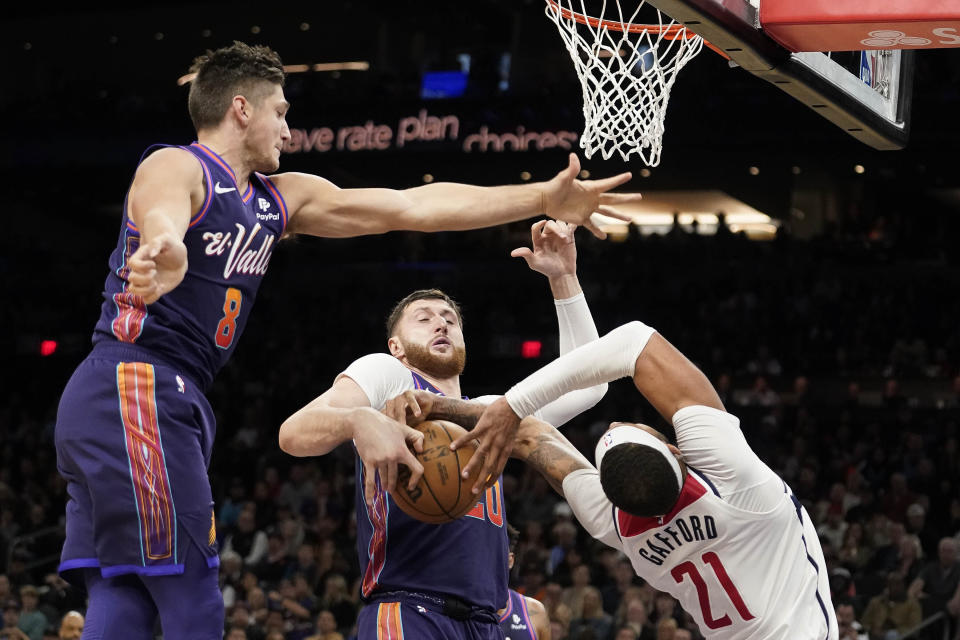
x: 671, y: 32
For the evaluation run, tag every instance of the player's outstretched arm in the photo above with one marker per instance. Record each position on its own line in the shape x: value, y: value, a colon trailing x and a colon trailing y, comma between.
x: 343, y: 413
x: 166, y: 191
x: 660, y: 372
x: 553, y: 253
x: 318, y: 207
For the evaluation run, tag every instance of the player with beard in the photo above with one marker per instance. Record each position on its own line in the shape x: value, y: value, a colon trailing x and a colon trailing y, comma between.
x: 423, y: 580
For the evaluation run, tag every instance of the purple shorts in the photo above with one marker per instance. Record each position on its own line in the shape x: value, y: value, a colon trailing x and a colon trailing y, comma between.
x: 133, y: 440
x: 412, y: 616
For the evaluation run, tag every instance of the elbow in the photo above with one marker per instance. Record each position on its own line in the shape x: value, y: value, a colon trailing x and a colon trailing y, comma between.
x: 594, y: 395
x: 288, y: 440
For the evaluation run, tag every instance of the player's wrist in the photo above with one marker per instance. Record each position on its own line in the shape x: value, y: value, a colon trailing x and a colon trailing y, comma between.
x: 565, y: 286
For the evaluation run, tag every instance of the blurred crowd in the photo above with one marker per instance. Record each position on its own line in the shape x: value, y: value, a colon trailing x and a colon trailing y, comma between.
x: 840, y: 355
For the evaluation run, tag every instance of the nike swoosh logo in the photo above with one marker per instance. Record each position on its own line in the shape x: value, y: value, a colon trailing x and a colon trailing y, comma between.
x: 220, y: 189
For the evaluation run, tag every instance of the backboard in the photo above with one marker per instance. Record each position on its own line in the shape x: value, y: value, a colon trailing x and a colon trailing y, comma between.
x: 865, y: 93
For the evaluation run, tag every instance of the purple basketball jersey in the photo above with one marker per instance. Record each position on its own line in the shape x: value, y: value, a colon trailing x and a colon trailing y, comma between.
x: 466, y: 558
x: 229, y: 243
x: 515, y: 621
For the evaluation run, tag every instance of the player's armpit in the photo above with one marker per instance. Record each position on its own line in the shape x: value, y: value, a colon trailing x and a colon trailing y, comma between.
x: 324, y: 423
x: 167, y: 190
x: 670, y: 381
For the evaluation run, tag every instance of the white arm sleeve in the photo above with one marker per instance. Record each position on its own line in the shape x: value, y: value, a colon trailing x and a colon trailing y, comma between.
x: 611, y: 357
x: 590, y: 505
x: 576, y: 327
x: 380, y: 376
x: 712, y: 443
x: 575, y: 323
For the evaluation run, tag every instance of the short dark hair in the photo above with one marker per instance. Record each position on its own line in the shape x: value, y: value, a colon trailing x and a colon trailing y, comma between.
x: 513, y: 536
x: 419, y: 294
x: 251, y: 71
x: 639, y: 480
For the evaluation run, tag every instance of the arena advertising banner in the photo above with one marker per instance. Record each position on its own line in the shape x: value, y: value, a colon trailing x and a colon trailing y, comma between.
x: 427, y: 129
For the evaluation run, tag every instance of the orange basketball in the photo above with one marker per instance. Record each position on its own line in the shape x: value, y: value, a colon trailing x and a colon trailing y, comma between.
x: 441, y: 495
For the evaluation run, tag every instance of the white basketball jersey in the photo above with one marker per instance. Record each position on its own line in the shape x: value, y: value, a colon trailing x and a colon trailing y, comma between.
x: 737, y: 550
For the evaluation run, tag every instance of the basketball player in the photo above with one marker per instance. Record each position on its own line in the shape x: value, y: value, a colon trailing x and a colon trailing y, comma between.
x: 134, y: 431
x: 523, y: 618
x: 423, y: 580
x: 704, y: 520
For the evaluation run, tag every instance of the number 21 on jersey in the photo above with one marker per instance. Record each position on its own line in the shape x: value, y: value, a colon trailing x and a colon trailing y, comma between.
x: 228, y: 324
x: 689, y: 570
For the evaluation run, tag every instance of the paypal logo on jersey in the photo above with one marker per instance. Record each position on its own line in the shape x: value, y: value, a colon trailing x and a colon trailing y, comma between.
x: 264, y: 205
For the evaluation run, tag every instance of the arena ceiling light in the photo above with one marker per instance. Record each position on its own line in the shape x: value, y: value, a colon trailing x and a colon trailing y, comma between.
x: 655, y: 213
x: 359, y: 65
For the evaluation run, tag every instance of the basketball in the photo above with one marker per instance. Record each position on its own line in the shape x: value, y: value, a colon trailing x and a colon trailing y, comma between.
x: 441, y: 495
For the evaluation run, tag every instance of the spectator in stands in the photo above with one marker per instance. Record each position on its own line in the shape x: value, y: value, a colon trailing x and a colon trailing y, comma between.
x: 231, y: 573
x: 565, y: 538
x: 247, y: 540
x: 326, y: 627
x: 887, y: 551
x: 626, y: 633
x: 854, y: 552
x: 938, y: 580
x: 236, y: 633
x: 624, y: 577
x: 71, y: 626
x: 910, y: 560
x: 32, y: 621
x: 893, y: 612
x: 259, y: 606
x: 917, y: 525
x: 239, y: 618
x: 305, y: 563
x: 532, y: 578
x: 667, y: 629
x: 574, y: 594
x: 233, y: 504
x: 665, y: 608
x: 847, y: 623
x: 834, y: 527
x: 10, y: 630
x: 273, y: 566
x: 593, y: 616
x: 636, y: 617
x: 336, y: 599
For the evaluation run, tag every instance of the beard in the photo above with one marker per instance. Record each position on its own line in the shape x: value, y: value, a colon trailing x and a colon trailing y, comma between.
x: 440, y: 366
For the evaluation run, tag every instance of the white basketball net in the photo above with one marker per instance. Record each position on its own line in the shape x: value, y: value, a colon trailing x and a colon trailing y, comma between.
x: 626, y: 72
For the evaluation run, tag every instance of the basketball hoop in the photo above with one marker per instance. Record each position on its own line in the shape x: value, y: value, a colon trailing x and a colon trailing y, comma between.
x: 626, y: 72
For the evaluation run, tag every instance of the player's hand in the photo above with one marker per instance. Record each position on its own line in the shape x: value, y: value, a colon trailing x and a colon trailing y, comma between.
x: 553, y: 252
x: 410, y: 407
x: 496, y: 431
x: 157, y: 267
x: 571, y: 200
x: 382, y: 444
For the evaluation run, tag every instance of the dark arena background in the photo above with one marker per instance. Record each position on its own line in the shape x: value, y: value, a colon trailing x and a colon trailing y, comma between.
x: 835, y: 339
